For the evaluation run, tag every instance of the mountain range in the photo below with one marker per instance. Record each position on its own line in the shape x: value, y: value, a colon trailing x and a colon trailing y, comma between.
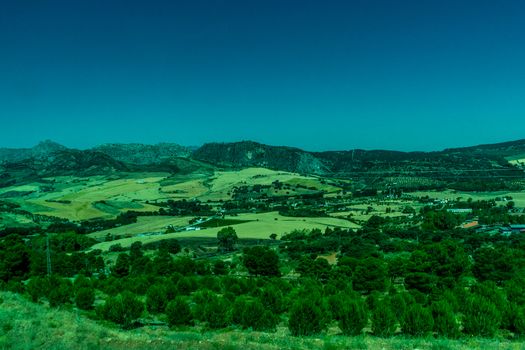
x: 453, y: 164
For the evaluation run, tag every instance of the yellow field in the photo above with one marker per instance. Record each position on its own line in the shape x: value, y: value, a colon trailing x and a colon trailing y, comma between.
x: 517, y: 197
x: 261, y: 226
x: 105, y: 197
x: 143, y: 225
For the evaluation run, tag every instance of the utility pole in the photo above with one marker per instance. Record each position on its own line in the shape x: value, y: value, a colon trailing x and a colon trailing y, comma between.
x: 48, y: 255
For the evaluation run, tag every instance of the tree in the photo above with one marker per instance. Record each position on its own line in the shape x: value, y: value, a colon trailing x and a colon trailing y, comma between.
x: 179, y: 313
x: 122, y: 265
x: 307, y: 316
x: 417, y: 321
x: 60, y: 291
x: 353, y: 317
x: 261, y: 261
x: 14, y: 258
x: 124, y: 309
x: 227, y: 238
x: 481, y: 317
x: 156, y: 298
x: 215, y: 312
x: 85, y: 298
x: 445, y: 323
x: 371, y: 274
x: 250, y: 313
x: 383, y: 320
x: 220, y: 268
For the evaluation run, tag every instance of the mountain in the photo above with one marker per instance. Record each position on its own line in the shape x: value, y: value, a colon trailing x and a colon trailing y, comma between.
x: 67, y: 162
x: 136, y: 153
x: 42, y: 150
x: 486, y: 167
x: 252, y: 154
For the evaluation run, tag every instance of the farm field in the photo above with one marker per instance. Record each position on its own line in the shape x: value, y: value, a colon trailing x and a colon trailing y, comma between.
x: 144, y: 224
x: 259, y: 226
x: 517, y: 197
x: 105, y: 197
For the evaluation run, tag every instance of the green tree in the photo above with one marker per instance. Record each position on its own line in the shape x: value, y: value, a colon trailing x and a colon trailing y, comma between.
x: 307, y: 317
x: 85, y: 297
x: 261, y: 261
x: 156, y: 298
x: 250, y: 313
x: 370, y: 274
x: 124, y: 309
x: 481, y: 317
x: 122, y: 265
x: 383, y: 320
x: 216, y: 312
x: 179, y: 313
x: 417, y: 321
x: 227, y: 238
x: 445, y: 323
x: 353, y: 317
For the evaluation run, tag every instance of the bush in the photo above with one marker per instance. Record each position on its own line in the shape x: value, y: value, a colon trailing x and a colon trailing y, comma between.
x: 307, y: 317
x: 445, y: 322
x: 482, y: 318
x: 215, y: 312
x: 250, y: 313
x: 156, y: 299
x: 417, y: 321
x: 353, y: 317
x: 179, y: 313
x: 60, y: 292
x: 383, y: 320
x: 85, y: 298
x: 123, y: 309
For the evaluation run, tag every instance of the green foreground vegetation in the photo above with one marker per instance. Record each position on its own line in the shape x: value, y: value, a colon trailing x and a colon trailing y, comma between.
x: 270, y: 265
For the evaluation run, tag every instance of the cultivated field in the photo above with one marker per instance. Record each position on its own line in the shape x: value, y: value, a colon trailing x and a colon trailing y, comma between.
x: 105, y: 197
x: 259, y: 226
x: 517, y: 197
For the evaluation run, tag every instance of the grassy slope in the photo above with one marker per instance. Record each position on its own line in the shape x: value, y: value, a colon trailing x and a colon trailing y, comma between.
x: 24, y: 325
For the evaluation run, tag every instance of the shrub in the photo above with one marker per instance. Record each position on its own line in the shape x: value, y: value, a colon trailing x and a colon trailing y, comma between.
x: 85, y: 298
x: 417, y: 321
x: 250, y: 313
x: 179, y: 313
x: 307, y: 317
x: 215, y: 312
x: 60, y: 292
x: 353, y: 317
x: 383, y: 320
x: 481, y: 318
x: 445, y: 322
x: 123, y: 309
x: 156, y: 299
x: 519, y: 321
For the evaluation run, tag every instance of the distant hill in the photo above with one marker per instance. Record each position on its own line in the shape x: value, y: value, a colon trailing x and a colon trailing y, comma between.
x: 252, y: 154
x: 42, y: 150
x: 482, y: 167
x: 136, y: 153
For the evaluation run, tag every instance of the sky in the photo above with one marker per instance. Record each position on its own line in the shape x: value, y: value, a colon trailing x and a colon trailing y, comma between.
x: 319, y: 75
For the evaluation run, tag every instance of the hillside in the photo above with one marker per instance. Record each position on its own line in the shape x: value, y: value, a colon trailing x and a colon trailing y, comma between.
x: 490, y: 167
x: 26, y: 325
x: 252, y: 154
x: 136, y: 153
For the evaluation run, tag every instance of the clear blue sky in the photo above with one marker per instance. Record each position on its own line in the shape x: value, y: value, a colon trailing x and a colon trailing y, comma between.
x: 406, y: 75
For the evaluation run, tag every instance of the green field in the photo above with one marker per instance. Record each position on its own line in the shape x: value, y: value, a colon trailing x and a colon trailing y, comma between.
x: 258, y: 226
x: 517, y: 197
x: 94, y: 197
